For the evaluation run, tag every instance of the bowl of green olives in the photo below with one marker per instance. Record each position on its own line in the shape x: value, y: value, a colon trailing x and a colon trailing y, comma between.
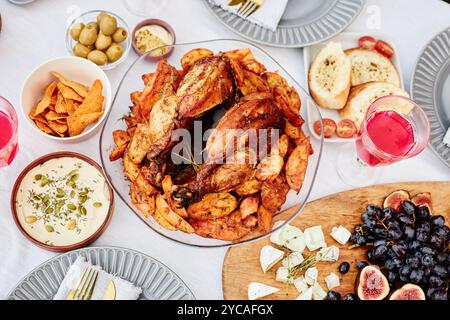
x: 99, y: 36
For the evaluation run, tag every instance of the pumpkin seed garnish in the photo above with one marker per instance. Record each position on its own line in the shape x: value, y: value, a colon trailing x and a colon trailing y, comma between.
x: 38, y: 177
x: 49, y: 228
x: 97, y: 204
x: 31, y: 219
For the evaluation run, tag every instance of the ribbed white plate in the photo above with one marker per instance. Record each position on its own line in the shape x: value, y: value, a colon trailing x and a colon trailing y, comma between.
x: 305, y: 22
x: 430, y: 88
x: 157, y: 281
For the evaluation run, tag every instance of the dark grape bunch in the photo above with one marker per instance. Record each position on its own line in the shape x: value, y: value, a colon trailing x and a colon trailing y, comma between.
x: 411, y: 246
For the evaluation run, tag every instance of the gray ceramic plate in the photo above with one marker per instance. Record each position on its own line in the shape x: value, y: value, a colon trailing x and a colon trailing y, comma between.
x: 430, y: 89
x: 156, y: 280
x: 305, y: 22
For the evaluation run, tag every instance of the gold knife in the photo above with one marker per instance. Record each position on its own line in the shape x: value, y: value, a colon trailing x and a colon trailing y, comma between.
x: 110, y: 293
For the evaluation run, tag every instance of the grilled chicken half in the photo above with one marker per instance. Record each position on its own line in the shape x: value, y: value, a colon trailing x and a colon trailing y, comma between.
x: 207, y: 84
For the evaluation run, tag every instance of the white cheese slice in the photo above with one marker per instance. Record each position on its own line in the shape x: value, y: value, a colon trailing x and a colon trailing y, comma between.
x: 269, y: 256
x: 300, y: 284
x: 340, y: 234
x: 314, y: 238
x: 329, y: 254
x: 447, y: 138
x: 332, y: 281
x: 293, y: 260
x: 282, y: 275
x: 307, y: 295
x: 311, y: 276
x: 318, y: 292
x: 296, y: 244
x: 275, y: 236
x: 258, y: 290
x: 289, y: 232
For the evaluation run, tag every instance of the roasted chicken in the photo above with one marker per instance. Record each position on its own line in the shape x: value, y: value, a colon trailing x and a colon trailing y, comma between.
x: 256, y: 153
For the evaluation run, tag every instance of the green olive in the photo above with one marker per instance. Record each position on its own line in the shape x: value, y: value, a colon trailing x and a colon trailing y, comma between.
x: 88, y: 35
x: 120, y: 35
x: 101, y: 16
x: 108, y: 25
x: 114, y: 52
x: 94, y: 24
x: 80, y: 50
x: 98, y: 57
x: 103, y: 42
x: 76, y: 30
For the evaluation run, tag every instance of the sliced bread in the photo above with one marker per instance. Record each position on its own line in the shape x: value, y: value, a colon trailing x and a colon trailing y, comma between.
x: 362, y: 96
x: 329, y: 77
x: 369, y: 65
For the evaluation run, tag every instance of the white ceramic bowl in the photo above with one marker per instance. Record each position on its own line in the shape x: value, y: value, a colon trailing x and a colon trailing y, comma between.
x: 73, y: 68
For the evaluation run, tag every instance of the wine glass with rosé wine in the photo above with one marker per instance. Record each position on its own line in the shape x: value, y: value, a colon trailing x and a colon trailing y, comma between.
x: 395, y: 128
x: 8, y: 133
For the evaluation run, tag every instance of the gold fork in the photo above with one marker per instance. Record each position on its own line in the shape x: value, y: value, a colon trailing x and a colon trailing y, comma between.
x: 249, y: 7
x: 85, y: 286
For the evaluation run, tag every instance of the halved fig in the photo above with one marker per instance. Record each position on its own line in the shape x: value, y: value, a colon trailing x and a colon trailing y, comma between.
x: 408, y: 292
x: 423, y: 199
x: 395, y: 199
x: 372, y: 284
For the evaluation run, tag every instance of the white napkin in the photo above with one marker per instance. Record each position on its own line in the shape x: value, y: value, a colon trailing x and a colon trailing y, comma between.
x: 267, y: 16
x: 447, y: 138
x: 124, y: 289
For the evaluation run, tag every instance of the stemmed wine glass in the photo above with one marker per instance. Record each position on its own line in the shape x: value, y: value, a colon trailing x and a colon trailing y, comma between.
x: 394, y: 128
x: 144, y: 8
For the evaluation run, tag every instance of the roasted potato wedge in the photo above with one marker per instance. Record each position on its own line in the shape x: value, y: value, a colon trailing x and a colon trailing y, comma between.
x: 269, y: 168
x: 130, y: 168
x: 147, y: 208
x: 273, y: 193
x: 281, y: 147
x: 288, y: 100
x: 121, y: 137
x: 264, y: 217
x: 118, y: 152
x: 297, y: 164
x: 249, y: 187
x: 159, y: 218
x: 295, y: 133
x: 213, y: 206
x: 238, y: 54
x: 144, y: 184
x: 252, y: 65
x: 249, y: 206
x: 191, y: 57
x: 174, y: 219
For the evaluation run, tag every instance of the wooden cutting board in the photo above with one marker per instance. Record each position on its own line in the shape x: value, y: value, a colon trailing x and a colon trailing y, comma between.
x: 241, y: 265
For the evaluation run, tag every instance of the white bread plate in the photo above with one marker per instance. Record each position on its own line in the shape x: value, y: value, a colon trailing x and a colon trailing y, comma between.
x: 348, y: 40
x: 72, y: 68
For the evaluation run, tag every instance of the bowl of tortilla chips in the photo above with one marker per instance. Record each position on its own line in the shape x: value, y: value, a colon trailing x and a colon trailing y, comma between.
x: 66, y: 98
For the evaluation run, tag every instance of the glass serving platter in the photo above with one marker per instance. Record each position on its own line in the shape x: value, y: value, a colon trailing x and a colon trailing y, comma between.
x: 132, y: 81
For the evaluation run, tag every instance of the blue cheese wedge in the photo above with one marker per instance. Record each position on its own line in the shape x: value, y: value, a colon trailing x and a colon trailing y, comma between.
x: 292, y: 260
x: 275, y: 236
x: 447, y: 138
x: 332, y: 281
x: 340, y: 234
x: 307, y: 295
x: 300, y: 284
x: 314, y: 238
x: 258, y: 290
x: 269, y: 256
x: 318, y: 293
x: 311, y: 275
x: 283, y: 275
x: 288, y: 233
x: 329, y: 254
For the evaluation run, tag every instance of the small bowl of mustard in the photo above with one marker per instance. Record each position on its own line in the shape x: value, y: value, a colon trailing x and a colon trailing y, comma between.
x: 151, y: 34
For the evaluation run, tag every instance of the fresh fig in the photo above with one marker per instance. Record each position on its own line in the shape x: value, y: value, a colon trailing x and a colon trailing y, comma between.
x: 408, y: 292
x: 372, y: 284
x: 395, y: 200
x: 423, y: 199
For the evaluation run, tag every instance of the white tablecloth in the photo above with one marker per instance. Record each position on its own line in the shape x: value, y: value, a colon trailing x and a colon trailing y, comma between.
x: 34, y: 33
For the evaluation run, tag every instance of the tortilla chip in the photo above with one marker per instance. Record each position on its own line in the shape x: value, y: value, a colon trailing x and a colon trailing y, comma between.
x: 45, y: 128
x: 51, y: 107
x: 69, y: 93
x: 79, y: 88
x: 62, y: 121
x: 54, y: 98
x: 46, y: 100
x: 57, y: 127
x: 40, y: 118
x: 78, y: 122
x: 60, y: 106
x: 52, y: 116
x: 94, y: 100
